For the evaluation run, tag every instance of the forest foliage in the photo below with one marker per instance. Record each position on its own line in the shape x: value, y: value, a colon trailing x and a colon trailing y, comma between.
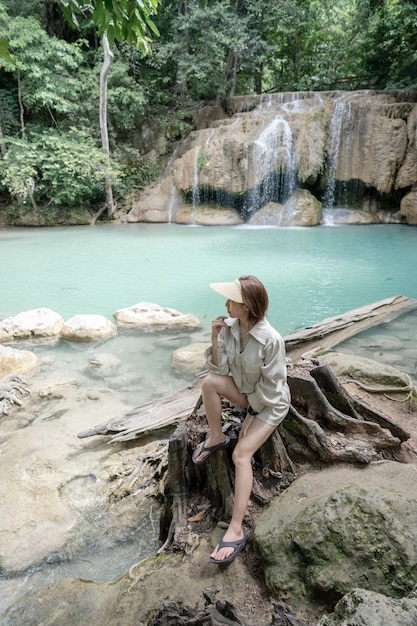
x: 169, y: 60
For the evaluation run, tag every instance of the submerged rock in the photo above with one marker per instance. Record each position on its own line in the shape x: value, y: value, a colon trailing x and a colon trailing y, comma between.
x: 190, y: 358
x: 350, y: 366
x: 14, y: 361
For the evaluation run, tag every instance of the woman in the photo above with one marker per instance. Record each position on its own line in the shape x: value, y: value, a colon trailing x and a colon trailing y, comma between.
x: 246, y: 364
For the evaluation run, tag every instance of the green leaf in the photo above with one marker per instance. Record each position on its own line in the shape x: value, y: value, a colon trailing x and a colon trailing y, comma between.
x: 5, y: 55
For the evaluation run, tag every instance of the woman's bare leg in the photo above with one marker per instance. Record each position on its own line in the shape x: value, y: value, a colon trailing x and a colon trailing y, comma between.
x: 215, y: 387
x: 249, y: 442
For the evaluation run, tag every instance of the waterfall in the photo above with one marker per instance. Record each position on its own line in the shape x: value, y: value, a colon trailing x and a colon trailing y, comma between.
x: 195, y: 194
x: 272, y: 156
x: 335, y: 132
x: 167, y: 175
x: 171, y: 202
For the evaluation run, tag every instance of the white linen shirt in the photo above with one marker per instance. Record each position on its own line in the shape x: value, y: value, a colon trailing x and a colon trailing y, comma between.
x: 259, y: 371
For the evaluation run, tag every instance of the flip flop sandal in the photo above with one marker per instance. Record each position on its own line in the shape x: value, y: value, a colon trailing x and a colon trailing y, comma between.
x: 209, y: 450
x: 238, y: 546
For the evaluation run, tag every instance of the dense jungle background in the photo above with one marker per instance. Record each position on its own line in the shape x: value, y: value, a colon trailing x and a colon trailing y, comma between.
x: 52, y: 157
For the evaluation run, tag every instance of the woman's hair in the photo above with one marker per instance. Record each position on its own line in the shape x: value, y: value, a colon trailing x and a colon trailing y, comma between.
x: 255, y: 297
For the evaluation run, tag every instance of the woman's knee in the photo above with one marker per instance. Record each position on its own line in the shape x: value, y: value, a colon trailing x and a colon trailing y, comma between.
x: 209, y: 383
x: 241, y: 457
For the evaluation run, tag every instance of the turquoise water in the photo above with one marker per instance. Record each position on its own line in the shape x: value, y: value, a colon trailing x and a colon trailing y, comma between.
x: 310, y: 273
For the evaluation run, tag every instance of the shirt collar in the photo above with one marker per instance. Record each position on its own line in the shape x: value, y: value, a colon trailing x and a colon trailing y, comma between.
x: 261, y: 331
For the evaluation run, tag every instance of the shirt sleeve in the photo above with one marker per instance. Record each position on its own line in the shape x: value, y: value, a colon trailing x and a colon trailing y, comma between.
x: 223, y: 365
x: 270, y: 388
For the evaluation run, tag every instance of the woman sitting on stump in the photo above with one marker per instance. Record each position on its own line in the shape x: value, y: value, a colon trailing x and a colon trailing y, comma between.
x: 246, y: 364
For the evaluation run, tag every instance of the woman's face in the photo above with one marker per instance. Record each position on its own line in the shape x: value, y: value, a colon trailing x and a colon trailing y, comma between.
x: 235, y: 309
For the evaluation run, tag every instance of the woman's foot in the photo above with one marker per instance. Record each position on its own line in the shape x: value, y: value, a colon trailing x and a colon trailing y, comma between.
x: 229, y: 547
x: 206, y: 448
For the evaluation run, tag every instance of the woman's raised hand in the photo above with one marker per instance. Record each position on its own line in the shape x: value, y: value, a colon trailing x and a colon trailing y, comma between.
x: 217, y: 324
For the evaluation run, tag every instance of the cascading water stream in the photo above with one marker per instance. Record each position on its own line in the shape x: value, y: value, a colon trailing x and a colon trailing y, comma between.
x: 166, y: 173
x: 196, y: 190
x: 272, y: 156
x: 341, y: 109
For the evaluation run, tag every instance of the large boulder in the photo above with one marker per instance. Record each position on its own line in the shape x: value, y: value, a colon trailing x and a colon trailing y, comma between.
x: 334, y: 530
x: 40, y: 322
x: 302, y: 209
x: 88, y: 328
x: 147, y: 314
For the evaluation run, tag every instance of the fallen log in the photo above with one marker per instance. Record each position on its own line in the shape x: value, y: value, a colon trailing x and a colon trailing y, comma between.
x: 317, y: 339
x: 150, y: 416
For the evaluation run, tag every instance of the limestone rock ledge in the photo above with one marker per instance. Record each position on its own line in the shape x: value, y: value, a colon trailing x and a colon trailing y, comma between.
x: 349, y: 148
x: 207, y: 216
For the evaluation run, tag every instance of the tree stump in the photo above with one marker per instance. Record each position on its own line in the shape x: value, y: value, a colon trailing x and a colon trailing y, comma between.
x: 324, y: 425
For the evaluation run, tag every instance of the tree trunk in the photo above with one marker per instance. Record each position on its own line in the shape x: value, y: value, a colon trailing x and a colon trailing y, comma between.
x: 108, y: 60
x: 3, y: 148
x: 23, y: 131
x: 324, y: 425
x: 231, y: 74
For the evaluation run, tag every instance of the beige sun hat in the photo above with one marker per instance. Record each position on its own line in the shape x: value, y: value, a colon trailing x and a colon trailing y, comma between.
x: 230, y: 291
